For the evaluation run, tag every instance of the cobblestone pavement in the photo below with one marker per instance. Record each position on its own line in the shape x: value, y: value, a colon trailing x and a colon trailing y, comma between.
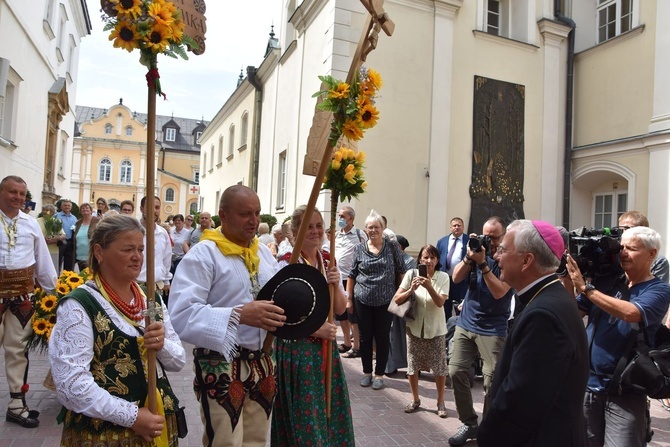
x: 378, y: 416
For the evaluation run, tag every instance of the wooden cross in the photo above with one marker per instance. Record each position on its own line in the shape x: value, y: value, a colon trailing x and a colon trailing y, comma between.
x: 317, y: 141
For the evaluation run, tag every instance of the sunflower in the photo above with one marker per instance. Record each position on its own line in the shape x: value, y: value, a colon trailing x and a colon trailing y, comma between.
x: 129, y: 7
x: 375, y: 79
x: 368, y: 116
x: 363, y: 100
x: 157, y: 38
x: 40, y: 326
x: 63, y: 289
x: 48, y: 303
x: 75, y: 281
x: 351, y: 130
x: 125, y: 36
x: 340, y: 91
x: 161, y: 13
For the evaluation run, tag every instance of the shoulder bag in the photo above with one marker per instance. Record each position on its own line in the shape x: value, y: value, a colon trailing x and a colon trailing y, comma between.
x: 406, y: 309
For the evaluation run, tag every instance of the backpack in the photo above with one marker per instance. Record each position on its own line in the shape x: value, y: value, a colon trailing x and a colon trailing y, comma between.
x: 644, y: 370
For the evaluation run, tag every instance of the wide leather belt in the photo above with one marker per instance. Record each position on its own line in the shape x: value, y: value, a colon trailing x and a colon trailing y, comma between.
x: 16, y: 282
x: 242, y: 353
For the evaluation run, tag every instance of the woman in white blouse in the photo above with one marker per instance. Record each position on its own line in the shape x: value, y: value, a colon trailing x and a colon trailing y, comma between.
x: 98, y: 346
x: 426, y: 334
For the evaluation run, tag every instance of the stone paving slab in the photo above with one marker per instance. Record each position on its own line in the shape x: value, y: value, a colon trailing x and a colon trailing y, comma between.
x: 378, y: 416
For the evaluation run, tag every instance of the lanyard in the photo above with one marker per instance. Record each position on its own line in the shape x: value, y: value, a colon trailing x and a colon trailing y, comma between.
x: 10, y: 230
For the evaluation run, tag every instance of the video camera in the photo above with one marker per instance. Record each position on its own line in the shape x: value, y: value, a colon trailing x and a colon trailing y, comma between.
x: 476, y: 243
x: 595, y: 250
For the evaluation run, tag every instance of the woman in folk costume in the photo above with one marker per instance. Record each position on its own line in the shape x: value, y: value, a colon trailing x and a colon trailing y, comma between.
x: 98, y: 354
x: 299, y: 416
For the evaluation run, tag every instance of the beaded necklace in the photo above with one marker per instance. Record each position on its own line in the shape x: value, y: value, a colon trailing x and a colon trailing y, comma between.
x: 134, y: 311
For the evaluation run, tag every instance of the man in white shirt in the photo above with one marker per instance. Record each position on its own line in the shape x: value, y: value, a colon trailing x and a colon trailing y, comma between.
x: 179, y: 235
x: 24, y: 257
x: 214, y: 307
x: 346, y: 239
x: 162, y: 250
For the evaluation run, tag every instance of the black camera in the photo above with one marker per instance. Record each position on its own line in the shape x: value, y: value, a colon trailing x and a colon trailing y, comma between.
x: 596, y: 250
x: 477, y: 243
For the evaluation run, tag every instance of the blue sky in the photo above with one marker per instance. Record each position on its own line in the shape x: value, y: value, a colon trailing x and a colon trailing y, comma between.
x: 237, y: 34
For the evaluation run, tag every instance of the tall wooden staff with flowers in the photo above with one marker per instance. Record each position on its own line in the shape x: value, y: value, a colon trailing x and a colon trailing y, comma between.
x: 349, y: 110
x: 153, y: 27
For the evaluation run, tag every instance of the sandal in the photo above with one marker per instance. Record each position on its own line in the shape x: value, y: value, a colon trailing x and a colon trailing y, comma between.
x: 343, y: 348
x: 352, y: 353
x: 30, y: 421
x: 412, y: 406
x: 665, y: 403
x: 442, y: 410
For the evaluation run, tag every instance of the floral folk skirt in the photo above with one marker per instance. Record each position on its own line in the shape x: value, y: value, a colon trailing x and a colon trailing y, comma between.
x: 299, y: 415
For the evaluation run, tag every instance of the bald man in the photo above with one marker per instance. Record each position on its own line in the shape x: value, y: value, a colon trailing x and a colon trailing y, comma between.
x: 213, y: 306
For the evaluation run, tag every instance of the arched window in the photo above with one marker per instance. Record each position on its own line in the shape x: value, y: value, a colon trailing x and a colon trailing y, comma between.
x: 129, y: 131
x: 169, y: 195
x: 105, y: 170
x: 245, y: 129
x: 126, y: 171
x: 220, y: 148
x: 108, y: 129
x: 193, y: 208
x: 231, y: 140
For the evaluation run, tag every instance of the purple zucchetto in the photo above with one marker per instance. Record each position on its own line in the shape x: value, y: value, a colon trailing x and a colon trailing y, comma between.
x: 551, y: 237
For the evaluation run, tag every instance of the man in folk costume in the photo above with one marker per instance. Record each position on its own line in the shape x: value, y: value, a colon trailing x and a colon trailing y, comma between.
x: 24, y: 256
x: 213, y: 306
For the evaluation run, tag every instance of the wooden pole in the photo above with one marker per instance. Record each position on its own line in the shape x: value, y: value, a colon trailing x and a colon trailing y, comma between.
x: 332, y: 288
x: 149, y: 246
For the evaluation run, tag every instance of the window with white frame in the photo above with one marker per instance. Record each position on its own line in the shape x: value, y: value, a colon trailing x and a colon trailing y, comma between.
x: 211, y: 157
x: 61, y: 155
x: 169, y: 195
x: 108, y: 129
x: 231, y: 140
x: 8, y: 105
x: 608, y: 207
x: 614, y: 17
x: 196, y: 177
x: 220, y: 159
x: 244, y: 128
x: 197, y: 137
x: 129, y: 131
x: 105, y: 170
x: 512, y: 19
x: 61, y: 33
x: 281, y: 180
x: 193, y: 208
x: 126, y: 172
x: 48, y: 21
x: 204, y: 163
x: 71, y: 56
x: 170, y: 134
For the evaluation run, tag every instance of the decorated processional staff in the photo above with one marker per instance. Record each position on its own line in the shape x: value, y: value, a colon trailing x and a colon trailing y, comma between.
x: 24, y: 257
x: 213, y: 306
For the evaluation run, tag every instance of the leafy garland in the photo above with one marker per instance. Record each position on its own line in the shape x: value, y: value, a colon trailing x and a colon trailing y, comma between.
x: 354, y: 112
x: 44, y: 318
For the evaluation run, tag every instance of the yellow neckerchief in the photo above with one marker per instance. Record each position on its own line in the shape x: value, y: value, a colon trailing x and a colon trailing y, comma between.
x: 162, y: 440
x: 249, y: 255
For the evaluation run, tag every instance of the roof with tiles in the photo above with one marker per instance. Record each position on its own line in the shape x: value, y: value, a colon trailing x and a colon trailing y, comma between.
x: 185, y: 135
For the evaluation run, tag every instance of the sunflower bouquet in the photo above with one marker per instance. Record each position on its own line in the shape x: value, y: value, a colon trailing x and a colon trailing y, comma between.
x: 354, y: 112
x: 151, y: 26
x: 353, y: 105
x: 44, y: 317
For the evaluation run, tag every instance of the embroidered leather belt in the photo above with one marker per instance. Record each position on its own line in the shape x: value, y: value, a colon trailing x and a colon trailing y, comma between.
x: 242, y: 353
x: 17, y: 282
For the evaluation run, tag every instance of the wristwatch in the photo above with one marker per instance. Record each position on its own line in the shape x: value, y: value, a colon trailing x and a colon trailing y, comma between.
x: 588, y: 287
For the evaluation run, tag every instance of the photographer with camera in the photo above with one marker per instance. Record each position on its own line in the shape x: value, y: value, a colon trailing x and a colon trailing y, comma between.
x: 617, y: 417
x: 481, y: 326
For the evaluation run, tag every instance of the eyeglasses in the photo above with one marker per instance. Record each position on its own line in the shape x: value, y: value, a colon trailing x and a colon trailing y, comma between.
x: 495, y: 238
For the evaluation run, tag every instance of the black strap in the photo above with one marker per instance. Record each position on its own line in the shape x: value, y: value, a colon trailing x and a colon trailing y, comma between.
x: 358, y: 233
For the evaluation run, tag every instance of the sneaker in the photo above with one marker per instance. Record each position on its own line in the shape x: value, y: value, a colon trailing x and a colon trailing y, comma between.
x: 378, y: 383
x: 442, y: 410
x: 366, y: 381
x: 463, y: 435
x: 412, y: 406
x: 352, y: 353
x: 343, y: 348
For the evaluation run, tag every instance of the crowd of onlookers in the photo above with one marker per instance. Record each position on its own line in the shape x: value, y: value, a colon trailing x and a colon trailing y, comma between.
x: 471, y: 315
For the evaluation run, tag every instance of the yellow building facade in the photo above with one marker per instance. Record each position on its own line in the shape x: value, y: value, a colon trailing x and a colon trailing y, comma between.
x: 109, y: 159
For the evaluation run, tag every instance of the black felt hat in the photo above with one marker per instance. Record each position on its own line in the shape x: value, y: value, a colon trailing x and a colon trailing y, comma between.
x: 302, y: 291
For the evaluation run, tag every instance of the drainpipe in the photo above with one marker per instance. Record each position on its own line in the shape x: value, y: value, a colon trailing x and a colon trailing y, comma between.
x: 254, y: 81
x: 569, y: 96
